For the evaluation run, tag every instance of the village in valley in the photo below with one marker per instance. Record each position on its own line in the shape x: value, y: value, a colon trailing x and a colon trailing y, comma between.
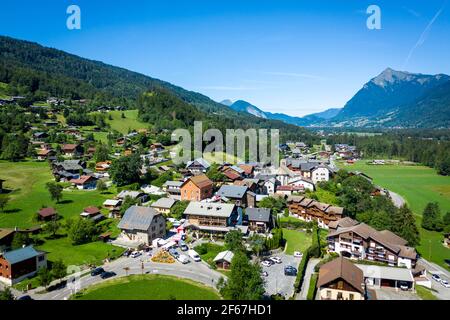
x: 107, y: 202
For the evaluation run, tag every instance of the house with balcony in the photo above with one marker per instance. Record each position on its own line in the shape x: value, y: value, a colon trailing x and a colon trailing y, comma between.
x: 213, y: 218
x: 311, y: 210
x: 362, y: 242
x: 259, y: 220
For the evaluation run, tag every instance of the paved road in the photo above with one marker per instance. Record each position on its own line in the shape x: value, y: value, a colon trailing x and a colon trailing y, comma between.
x: 196, y: 271
x: 397, y: 199
x: 432, y: 268
x: 307, y: 278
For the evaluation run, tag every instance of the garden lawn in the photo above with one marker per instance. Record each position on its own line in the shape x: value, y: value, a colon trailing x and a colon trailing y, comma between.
x: 149, y: 287
x: 425, y: 293
x: 89, y: 253
x: 213, y: 251
x: 418, y: 185
x: 27, y: 181
x: 296, y: 241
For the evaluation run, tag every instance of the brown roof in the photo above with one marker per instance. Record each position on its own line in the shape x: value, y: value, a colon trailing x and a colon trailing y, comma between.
x: 69, y: 147
x: 201, y: 181
x: 248, y: 169
x: 91, y: 210
x: 343, y: 223
x: 5, y: 232
x: 393, y: 238
x: 407, y: 252
x: 47, y: 212
x: 231, y: 174
x: 384, y: 238
x: 341, y: 268
x: 43, y: 152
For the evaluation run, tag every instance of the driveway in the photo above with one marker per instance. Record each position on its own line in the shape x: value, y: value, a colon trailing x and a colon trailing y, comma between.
x: 196, y: 271
x: 307, y: 278
x: 397, y: 199
x: 393, y: 294
x: 277, y: 282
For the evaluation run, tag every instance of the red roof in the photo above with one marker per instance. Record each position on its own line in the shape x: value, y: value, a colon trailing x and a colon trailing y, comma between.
x: 47, y: 212
x: 289, y: 188
x: 91, y: 210
x: 82, y: 180
x: 231, y: 174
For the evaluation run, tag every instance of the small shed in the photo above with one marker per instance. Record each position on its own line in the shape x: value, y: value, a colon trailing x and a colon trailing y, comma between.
x: 223, y: 259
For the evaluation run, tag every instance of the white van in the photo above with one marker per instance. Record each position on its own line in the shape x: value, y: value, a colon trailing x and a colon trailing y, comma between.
x: 183, y: 259
x: 194, y: 255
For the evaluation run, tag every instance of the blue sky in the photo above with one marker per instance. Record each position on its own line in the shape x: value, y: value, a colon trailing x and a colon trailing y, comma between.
x: 295, y: 57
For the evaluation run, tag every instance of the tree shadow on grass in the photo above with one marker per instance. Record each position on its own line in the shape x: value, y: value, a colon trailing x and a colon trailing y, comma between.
x: 12, y: 210
x: 65, y: 202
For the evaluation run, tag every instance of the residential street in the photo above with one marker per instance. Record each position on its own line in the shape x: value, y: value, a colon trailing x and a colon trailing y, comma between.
x: 196, y: 271
x: 442, y: 292
x: 302, y: 295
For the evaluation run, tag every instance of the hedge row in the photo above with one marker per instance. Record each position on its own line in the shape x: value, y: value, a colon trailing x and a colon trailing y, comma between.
x: 312, y: 287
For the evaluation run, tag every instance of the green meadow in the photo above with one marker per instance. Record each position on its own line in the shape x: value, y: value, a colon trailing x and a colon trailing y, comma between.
x: 148, y: 287
x: 25, y: 185
x: 418, y: 185
x: 127, y: 124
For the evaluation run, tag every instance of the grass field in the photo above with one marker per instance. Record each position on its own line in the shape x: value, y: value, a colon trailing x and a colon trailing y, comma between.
x: 296, y: 241
x: 26, y: 181
x: 150, y: 287
x: 130, y: 122
x: 418, y: 185
x: 89, y: 253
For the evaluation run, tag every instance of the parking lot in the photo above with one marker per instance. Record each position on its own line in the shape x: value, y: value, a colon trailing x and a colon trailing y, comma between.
x: 276, y: 281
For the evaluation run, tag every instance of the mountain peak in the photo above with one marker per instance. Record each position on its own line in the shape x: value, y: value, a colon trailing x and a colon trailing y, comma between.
x: 227, y: 102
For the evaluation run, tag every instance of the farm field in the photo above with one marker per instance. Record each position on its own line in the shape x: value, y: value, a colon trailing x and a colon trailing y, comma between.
x: 130, y: 122
x: 418, y: 185
x: 296, y: 241
x: 26, y: 183
x: 149, y: 287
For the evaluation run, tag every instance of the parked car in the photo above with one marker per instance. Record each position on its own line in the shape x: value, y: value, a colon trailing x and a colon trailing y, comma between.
x: 107, y: 274
x: 298, y: 254
x: 436, y: 277
x: 275, y: 260
x: 184, y: 247
x: 445, y: 283
x: 404, y: 286
x: 26, y: 297
x: 97, y: 271
x: 174, y: 253
x: 266, y: 263
x: 183, y: 258
x: 290, y: 271
x: 194, y: 255
x: 135, y: 254
x: 264, y: 274
x: 126, y: 253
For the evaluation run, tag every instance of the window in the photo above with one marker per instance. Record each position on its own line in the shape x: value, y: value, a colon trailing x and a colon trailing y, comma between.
x: 352, y: 297
x: 328, y: 294
x: 340, y: 285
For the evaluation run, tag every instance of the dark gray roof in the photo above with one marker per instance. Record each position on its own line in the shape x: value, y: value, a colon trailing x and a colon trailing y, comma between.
x: 137, y: 218
x: 233, y: 192
x: 21, y: 254
x: 70, y: 165
x: 258, y: 214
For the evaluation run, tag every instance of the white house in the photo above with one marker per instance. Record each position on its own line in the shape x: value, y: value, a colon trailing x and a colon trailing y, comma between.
x: 320, y: 173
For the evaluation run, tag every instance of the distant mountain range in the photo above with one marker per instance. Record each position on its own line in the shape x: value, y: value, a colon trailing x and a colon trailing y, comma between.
x: 391, y: 99
x: 247, y: 107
